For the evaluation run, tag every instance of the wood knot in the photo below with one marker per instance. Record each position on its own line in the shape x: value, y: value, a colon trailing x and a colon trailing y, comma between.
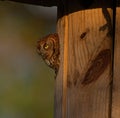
x: 97, y: 67
x: 83, y: 35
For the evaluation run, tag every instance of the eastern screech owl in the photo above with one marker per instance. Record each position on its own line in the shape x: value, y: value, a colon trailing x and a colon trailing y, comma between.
x: 48, y: 48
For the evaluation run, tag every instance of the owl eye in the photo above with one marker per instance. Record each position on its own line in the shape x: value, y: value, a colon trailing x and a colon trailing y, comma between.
x: 46, y: 46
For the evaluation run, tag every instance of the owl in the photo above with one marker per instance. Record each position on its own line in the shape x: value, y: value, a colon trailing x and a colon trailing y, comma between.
x: 48, y: 48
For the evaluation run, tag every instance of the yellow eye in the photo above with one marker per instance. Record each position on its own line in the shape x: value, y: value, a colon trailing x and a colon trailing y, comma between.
x: 46, y: 46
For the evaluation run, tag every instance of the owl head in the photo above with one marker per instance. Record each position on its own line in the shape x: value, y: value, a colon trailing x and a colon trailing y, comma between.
x: 47, y: 46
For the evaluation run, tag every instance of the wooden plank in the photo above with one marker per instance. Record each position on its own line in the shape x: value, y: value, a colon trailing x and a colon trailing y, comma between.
x: 83, y: 81
x: 116, y: 80
x: 60, y: 82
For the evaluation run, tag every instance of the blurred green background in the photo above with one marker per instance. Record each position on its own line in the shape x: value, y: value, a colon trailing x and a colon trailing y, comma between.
x: 26, y: 82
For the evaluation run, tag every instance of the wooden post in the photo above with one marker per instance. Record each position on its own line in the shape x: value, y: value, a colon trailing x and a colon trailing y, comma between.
x: 83, y: 83
x: 116, y: 80
x: 83, y: 87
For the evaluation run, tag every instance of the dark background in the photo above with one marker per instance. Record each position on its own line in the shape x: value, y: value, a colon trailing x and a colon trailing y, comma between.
x: 26, y: 82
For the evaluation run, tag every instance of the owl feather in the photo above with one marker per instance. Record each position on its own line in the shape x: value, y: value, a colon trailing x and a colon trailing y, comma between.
x: 48, y: 48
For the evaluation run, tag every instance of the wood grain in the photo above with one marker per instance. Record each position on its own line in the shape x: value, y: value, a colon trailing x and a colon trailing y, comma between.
x: 116, y: 80
x: 82, y: 91
x: 60, y: 85
x: 91, y: 100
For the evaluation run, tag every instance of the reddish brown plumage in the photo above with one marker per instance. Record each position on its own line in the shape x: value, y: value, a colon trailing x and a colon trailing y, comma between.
x: 48, y: 48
